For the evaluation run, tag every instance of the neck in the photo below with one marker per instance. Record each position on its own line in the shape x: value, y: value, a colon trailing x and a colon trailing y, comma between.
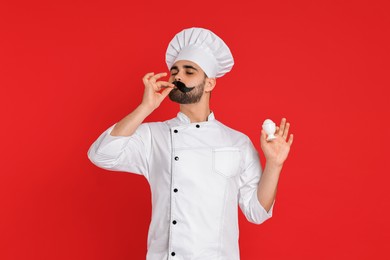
x: 197, y: 112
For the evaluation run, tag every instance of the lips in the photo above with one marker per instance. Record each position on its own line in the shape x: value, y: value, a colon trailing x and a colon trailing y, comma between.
x: 182, y: 87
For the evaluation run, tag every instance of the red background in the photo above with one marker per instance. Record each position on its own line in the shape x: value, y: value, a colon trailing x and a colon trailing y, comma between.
x: 70, y: 69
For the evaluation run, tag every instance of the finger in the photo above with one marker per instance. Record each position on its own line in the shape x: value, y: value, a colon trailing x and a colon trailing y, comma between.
x: 277, y: 130
x: 158, y: 76
x: 285, y: 133
x: 282, y: 125
x: 162, y: 85
x: 165, y: 84
x: 291, y: 139
x: 145, y: 79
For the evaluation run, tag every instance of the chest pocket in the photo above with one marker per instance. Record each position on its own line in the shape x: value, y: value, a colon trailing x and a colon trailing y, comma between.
x: 226, y: 161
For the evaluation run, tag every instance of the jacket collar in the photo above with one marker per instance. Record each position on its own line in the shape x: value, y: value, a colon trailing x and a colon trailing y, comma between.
x: 185, y: 119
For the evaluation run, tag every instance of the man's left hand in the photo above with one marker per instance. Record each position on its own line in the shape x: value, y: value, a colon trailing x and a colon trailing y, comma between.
x: 276, y: 151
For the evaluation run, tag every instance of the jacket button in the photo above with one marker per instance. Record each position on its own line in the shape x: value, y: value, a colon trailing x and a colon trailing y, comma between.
x: 174, y: 222
x: 175, y: 131
x: 176, y: 158
x: 197, y: 126
x: 173, y: 254
x: 175, y: 190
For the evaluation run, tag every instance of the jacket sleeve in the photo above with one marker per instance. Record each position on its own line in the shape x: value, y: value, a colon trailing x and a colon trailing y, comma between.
x: 249, y: 181
x: 123, y: 153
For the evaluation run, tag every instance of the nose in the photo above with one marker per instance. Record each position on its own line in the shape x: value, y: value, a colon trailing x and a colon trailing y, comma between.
x: 177, y: 77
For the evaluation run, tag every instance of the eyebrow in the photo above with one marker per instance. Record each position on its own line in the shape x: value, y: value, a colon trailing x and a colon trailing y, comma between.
x: 184, y: 66
x: 189, y: 67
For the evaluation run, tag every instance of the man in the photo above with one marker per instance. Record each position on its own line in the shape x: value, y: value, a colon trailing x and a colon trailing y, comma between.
x: 198, y: 169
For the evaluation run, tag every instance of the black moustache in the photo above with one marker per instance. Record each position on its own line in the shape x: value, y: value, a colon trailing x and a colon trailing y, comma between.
x: 182, y: 87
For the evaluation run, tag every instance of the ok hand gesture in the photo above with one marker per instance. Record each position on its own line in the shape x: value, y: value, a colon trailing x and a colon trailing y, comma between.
x: 155, y: 91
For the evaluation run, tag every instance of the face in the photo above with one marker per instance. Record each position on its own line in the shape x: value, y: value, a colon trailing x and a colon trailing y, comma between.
x: 192, y: 76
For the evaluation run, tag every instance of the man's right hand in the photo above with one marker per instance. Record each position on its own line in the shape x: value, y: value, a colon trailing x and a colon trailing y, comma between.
x: 155, y: 91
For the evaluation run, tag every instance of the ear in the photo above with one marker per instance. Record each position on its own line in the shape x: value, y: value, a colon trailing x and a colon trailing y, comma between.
x: 210, y: 84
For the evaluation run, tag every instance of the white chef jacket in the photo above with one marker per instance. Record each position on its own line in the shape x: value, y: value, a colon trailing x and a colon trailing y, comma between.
x: 198, y: 173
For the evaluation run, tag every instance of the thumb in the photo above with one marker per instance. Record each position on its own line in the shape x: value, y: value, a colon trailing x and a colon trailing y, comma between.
x: 166, y: 91
x: 263, y: 135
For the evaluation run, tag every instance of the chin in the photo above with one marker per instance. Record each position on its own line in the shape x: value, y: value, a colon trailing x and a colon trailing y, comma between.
x: 185, y: 98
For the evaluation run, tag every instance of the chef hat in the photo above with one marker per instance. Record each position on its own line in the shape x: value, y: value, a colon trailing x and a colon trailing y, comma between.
x: 204, y: 48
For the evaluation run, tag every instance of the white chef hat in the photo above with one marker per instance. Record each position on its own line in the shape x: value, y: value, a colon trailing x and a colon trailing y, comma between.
x: 204, y: 48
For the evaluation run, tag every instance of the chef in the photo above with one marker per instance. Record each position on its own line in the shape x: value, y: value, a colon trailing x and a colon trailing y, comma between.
x: 199, y: 170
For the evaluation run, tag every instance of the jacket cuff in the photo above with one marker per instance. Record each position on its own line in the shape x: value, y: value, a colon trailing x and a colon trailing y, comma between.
x: 260, y: 214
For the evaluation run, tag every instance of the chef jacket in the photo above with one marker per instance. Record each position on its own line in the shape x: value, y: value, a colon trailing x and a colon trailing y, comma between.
x: 198, y: 173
